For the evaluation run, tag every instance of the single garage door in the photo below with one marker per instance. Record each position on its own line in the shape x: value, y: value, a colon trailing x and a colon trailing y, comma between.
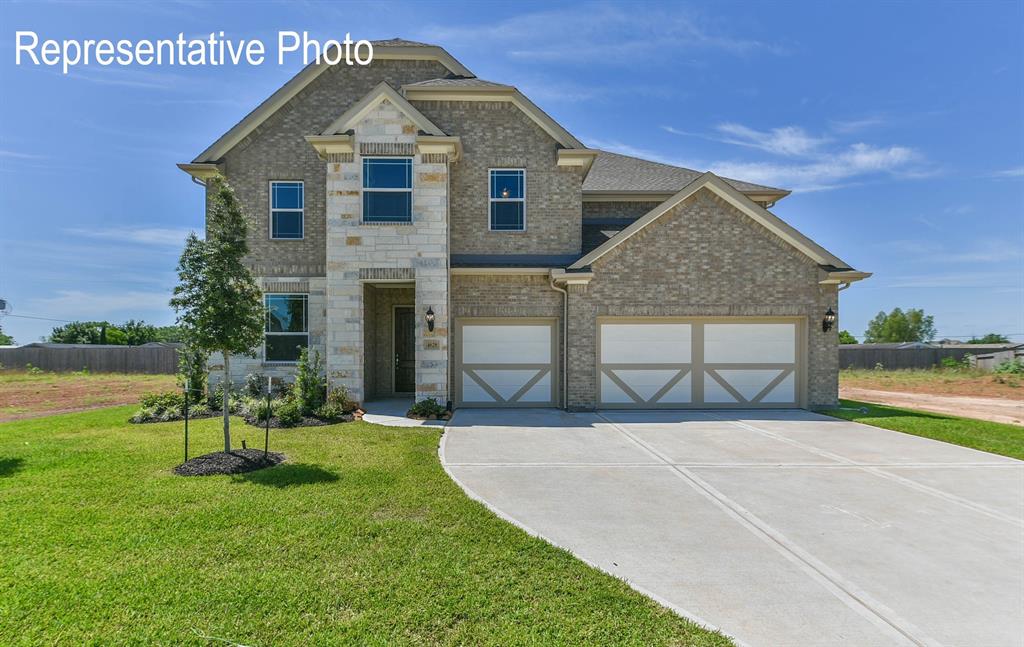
x: 700, y: 363
x: 506, y: 363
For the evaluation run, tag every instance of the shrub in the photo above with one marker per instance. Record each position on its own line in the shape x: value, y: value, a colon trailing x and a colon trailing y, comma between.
x: 161, y: 401
x: 216, y: 397
x: 339, y: 397
x: 330, y: 412
x: 33, y: 370
x: 310, y: 383
x: 427, y: 407
x: 258, y: 408
x: 289, y: 413
x: 254, y: 383
x: 1013, y: 366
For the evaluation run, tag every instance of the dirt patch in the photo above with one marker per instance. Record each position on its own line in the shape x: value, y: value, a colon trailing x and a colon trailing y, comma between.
x: 994, y: 409
x: 29, y: 395
x: 985, y: 385
x: 237, y: 461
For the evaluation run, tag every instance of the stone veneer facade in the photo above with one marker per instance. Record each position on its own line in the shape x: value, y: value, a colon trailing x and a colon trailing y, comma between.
x: 414, y: 252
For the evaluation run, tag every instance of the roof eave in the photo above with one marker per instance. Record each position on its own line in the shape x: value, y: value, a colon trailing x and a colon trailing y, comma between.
x: 297, y: 83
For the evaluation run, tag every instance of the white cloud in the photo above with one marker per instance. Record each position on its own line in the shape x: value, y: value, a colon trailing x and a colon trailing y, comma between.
x: 787, y: 140
x: 848, y: 126
x: 602, y: 31
x: 830, y: 171
x: 162, y: 236
x: 816, y: 162
x: 1017, y: 171
x: 9, y: 154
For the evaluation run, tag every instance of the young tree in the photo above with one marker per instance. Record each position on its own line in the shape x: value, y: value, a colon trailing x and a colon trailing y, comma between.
x: 846, y: 338
x: 899, y: 326
x: 5, y: 339
x: 219, y: 304
x: 991, y: 338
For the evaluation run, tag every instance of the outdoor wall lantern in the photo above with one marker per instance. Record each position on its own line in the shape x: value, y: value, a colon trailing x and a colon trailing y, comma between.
x: 430, y: 319
x: 828, y: 321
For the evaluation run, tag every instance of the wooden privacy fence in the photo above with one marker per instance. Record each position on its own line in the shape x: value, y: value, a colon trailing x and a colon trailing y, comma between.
x: 899, y: 358
x: 151, y: 358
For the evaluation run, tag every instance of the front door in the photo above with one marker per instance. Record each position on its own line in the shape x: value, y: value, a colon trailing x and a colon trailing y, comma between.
x: 405, y: 350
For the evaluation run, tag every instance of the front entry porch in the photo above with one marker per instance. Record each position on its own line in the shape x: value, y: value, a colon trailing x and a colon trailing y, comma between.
x: 389, y: 341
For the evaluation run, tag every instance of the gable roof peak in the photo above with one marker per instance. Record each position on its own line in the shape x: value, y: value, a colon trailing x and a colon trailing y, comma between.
x: 380, y: 93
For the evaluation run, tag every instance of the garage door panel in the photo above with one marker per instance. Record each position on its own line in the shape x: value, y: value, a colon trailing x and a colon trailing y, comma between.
x: 749, y: 342
x: 643, y: 343
x: 743, y: 363
x: 506, y: 363
x: 499, y: 344
x: 782, y: 393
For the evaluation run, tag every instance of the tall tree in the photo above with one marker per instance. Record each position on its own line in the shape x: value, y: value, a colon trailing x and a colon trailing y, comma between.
x: 846, y: 338
x: 138, y: 332
x: 219, y: 304
x: 899, y: 326
x: 991, y: 338
x: 5, y: 339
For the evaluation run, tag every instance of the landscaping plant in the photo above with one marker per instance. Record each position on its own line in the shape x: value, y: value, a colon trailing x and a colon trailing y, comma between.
x: 218, y: 302
x: 427, y: 408
x: 310, y: 383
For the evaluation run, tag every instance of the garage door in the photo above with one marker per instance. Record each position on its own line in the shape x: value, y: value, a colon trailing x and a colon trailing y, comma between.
x: 694, y: 363
x: 506, y: 363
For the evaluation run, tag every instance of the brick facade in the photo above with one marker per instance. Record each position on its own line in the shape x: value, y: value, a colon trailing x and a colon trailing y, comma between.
x: 702, y: 258
x: 277, y: 151
x: 499, y: 135
x: 631, y: 210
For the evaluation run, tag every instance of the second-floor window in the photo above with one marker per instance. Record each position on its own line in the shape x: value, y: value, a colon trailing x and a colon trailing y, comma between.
x: 508, y: 199
x: 387, y: 189
x: 287, y: 331
x: 286, y: 205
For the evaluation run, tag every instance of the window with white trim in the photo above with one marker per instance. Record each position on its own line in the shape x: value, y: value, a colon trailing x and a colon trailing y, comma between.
x: 286, y: 207
x: 387, y: 189
x: 508, y: 199
x: 287, y: 330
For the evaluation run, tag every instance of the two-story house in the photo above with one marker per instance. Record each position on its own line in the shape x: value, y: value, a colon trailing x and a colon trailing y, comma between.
x: 436, y: 235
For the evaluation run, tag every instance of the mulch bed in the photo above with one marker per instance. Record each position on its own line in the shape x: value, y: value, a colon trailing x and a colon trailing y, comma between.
x: 237, y: 461
x: 444, y: 416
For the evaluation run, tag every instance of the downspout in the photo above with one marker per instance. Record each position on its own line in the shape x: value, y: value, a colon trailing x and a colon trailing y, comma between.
x: 448, y: 261
x: 565, y: 341
x: 843, y: 286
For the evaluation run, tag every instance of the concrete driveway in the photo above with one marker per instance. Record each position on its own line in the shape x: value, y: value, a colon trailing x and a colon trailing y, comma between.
x: 777, y: 527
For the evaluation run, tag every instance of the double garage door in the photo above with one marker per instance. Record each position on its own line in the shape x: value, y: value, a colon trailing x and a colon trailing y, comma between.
x: 642, y: 363
x: 695, y: 363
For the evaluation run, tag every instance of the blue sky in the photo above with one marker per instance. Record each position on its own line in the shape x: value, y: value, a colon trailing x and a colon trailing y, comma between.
x: 900, y: 126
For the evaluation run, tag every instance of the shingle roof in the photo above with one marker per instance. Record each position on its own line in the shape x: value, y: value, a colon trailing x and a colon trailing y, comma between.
x: 615, y: 172
x: 399, y: 42
x: 457, y: 82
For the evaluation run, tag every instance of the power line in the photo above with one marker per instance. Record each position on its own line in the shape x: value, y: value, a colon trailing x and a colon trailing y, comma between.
x: 40, y: 318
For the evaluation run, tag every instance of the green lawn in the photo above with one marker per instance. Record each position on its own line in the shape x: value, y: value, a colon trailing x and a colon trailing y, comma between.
x: 994, y: 437
x: 360, y: 538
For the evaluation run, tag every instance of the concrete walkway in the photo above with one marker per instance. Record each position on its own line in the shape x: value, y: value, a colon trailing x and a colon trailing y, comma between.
x: 391, y: 413
x: 779, y: 528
